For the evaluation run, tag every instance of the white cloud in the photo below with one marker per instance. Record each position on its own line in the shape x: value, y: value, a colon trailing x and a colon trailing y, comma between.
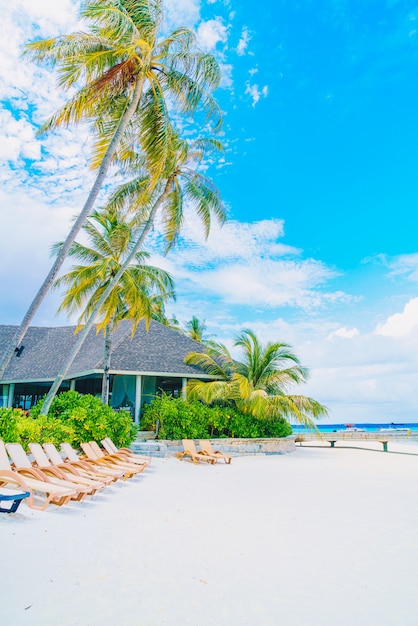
x: 210, y: 33
x: 243, y: 42
x: 401, y: 324
x: 256, y: 93
x: 345, y: 333
x: 181, y: 13
x: 405, y: 265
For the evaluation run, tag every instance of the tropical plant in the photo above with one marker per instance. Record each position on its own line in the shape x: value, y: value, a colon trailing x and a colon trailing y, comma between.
x: 125, y: 77
x: 138, y: 294
x: 258, y: 384
x: 180, y: 419
x: 88, y: 418
x: 180, y: 182
x: 196, y: 329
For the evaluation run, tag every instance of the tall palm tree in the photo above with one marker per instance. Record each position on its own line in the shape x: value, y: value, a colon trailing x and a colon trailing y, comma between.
x: 138, y: 294
x: 180, y: 182
x: 258, y: 383
x: 124, y: 74
x: 196, y: 329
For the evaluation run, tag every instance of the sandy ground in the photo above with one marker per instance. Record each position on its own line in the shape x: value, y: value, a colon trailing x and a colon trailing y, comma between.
x: 317, y: 537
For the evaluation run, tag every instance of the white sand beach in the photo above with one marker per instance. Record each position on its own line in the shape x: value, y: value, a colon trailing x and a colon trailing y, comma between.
x: 317, y: 537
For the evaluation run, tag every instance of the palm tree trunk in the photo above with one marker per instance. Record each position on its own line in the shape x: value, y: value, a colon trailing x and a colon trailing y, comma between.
x: 87, y: 327
x: 106, y: 361
x: 46, y: 285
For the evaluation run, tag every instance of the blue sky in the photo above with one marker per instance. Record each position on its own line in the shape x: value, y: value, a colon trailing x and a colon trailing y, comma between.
x: 319, y: 178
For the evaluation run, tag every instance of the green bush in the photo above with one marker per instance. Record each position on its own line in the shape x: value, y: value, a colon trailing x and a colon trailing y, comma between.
x: 179, y: 419
x: 90, y: 419
x: 73, y: 417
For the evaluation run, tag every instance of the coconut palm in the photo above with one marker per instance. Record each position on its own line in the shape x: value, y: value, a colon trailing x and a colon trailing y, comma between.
x: 123, y: 74
x: 138, y: 294
x: 196, y: 329
x: 180, y: 182
x: 257, y: 384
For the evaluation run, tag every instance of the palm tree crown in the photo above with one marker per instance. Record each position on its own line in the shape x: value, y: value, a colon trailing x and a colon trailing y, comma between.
x: 139, y: 291
x: 258, y: 383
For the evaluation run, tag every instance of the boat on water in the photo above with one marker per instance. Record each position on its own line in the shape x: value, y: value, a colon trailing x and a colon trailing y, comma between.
x: 394, y: 429
x: 350, y: 428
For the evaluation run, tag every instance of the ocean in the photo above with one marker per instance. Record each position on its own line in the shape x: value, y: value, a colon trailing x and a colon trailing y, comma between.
x: 371, y: 428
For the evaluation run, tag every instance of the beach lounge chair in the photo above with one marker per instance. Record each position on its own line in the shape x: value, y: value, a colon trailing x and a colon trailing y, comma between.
x: 29, y: 480
x: 21, y: 462
x: 116, y: 456
x: 68, y: 472
x: 83, y: 469
x: 90, y: 464
x: 206, y: 448
x: 189, y: 449
x: 110, y: 448
x: 93, y: 451
x: 13, y: 498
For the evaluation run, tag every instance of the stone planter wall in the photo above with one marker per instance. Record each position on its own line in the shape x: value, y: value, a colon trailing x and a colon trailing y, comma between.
x: 234, y: 447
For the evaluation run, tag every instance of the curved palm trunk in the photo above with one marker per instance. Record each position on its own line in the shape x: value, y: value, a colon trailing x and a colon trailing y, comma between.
x: 106, y: 361
x: 83, y: 334
x: 46, y: 285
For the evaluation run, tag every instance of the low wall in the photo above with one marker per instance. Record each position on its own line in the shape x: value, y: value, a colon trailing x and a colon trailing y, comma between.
x: 234, y: 447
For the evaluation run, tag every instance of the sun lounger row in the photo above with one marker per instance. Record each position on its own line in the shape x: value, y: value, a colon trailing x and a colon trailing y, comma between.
x: 206, y: 453
x: 56, y: 479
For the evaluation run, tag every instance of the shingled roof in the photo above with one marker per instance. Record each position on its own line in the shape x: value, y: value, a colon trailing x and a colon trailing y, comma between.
x: 161, y: 350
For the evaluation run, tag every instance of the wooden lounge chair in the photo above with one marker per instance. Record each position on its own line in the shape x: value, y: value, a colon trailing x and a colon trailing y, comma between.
x: 29, y: 480
x: 206, y: 448
x: 83, y: 469
x: 189, y: 449
x: 21, y: 462
x: 13, y: 498
x: 68, y: 472
x: 119, y: 457
x: 110, y: 448
x: 93, y: 451
x: 91, y: 464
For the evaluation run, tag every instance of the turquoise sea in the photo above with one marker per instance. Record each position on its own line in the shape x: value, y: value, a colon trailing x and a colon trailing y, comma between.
x: 329, y: 428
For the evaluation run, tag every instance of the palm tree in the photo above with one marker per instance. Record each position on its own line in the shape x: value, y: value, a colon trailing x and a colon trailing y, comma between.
x: 123, y: 75
x: 196, y: 329
x: 258, y: 384
x: 138, y: 293
x: 180, y: 182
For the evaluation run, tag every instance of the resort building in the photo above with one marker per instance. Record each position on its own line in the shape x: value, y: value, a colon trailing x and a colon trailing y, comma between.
x: 141, y: 366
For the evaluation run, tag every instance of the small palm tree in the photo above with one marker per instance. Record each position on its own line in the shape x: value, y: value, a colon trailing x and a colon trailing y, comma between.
x: 196, y: 329
x: 124, y: 75
x: 138, y: 294
x: 258, y: 384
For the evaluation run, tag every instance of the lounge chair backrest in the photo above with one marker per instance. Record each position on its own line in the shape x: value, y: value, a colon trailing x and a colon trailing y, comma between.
x: 69, y: 452
x: 109, y: 445
x: 18, y: 455
x: 206, y: 446
x: 188, y: 444
x: 4, y: 459
x: 39, y: 455
x: 53, y: 453
x: 88, y: 451
x: 96, y: 449
x: 106, y: 445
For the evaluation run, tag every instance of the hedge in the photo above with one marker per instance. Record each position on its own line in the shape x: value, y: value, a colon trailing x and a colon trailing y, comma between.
x: 179, y: 419
x: 73, y: 417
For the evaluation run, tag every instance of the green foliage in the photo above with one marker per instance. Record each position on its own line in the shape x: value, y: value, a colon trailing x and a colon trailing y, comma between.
x: 73, y: 417
x: 192, y: 420
x: 9, y: 419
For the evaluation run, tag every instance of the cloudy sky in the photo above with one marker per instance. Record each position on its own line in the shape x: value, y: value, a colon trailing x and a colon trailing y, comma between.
x: 320, y: 180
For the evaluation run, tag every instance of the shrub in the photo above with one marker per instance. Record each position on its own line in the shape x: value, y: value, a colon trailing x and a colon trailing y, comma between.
x: 9, y: 419
x: 91, y: 419
x: 179, y: 419
x: 76, y: 418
